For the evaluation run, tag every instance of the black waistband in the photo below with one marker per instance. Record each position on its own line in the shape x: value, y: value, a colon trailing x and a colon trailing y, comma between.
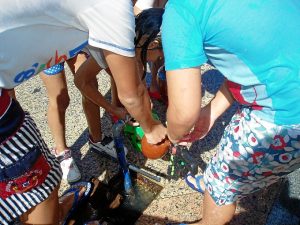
x: 11, y: 120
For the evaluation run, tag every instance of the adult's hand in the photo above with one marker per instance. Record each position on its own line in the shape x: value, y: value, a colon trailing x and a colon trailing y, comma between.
x: 203, y: 125
x: 157, y: 132
x: 208, y: 115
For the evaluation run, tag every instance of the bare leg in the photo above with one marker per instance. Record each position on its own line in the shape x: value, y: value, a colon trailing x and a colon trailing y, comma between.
x: 47, y: 212
x: 59, y: 100
x: 52, y: 211
x: 76, y: 62
x: 90, y: 69
x: 114, y: 94
x: 91, y: 110
x: 214, y: 214
x: 57, y: 91
x: 92, y: 115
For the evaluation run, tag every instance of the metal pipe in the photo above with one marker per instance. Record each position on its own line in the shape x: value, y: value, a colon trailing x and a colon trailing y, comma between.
x: 143, y: 172
x: 117, y: 129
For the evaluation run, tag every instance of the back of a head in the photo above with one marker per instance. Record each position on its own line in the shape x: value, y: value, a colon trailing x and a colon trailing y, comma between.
x: 148, y: 23
x: 147, y: 29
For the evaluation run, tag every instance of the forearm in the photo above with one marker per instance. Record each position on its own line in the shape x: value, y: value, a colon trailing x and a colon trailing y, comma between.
x: 86, y: 81
x: 221, y: 102
x: 184, y: 91
x: 139, y: 107
x: 131, y: 91
x: 90, y: 90
x: 177, y: 127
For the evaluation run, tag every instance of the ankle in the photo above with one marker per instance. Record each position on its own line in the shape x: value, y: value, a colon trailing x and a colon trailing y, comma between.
x: 60, y: 149
x: 95, y: 139
x: 61, y: 152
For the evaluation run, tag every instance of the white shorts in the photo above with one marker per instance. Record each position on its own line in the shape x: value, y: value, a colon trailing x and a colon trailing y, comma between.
x: 115, y: 27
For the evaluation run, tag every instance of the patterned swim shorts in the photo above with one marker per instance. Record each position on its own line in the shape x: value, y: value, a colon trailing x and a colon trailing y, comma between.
x: 54, y: 69
x: 252, y: 154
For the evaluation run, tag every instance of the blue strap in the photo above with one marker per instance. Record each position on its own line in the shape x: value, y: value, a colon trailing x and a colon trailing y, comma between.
x: 76, y: 188
x: 198, y: 179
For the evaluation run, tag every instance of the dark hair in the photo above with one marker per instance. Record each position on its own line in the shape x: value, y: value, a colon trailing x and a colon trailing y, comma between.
x: 147, y: 23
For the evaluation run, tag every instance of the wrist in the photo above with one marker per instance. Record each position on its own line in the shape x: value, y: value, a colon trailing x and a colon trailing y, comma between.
x: 148, y: 124
x: 174, y: 139
x: 214, y: 111
x: 111, y: 110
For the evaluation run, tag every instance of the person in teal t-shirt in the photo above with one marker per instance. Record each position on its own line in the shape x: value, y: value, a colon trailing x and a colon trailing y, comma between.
x: 256, y: 46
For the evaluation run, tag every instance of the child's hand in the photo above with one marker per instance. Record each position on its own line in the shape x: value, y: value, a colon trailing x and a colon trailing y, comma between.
x: 202, y: 126
x: 120, y: 113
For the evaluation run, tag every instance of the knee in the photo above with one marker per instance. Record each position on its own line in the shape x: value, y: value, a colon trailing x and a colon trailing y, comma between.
x: 132, y: 98
x: 60, y: 102
x: 63, y: 101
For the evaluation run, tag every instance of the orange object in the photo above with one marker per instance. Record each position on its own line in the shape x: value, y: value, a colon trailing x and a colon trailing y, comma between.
x: 156, y: 151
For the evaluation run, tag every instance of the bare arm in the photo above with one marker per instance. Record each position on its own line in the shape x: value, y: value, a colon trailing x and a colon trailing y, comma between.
x: 133, y: 95
x: 210, y: 113
x: 221, y: 102
x: 86, y: 81
x: 184, y: 91
x: 184, y: 111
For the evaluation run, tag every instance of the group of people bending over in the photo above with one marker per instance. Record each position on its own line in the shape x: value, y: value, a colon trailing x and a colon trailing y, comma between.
x: 259, y: 145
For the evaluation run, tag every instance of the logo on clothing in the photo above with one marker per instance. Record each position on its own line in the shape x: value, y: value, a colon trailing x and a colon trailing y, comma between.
x: 38, y: 67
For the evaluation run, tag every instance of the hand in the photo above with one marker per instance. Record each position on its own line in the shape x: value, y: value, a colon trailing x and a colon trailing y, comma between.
x: 202, y: 126
x: 120, y: 113
x: 157, y: 134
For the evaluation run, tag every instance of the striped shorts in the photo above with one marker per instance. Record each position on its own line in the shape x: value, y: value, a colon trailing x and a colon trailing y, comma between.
x: 28, y: 171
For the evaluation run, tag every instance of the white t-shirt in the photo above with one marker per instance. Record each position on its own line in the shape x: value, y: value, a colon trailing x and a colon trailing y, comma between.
x: 145, y: 4
x: 35, y: 35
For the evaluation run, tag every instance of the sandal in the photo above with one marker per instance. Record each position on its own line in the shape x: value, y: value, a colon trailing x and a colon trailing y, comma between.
x: 197, y: 179
x: 78, y: 200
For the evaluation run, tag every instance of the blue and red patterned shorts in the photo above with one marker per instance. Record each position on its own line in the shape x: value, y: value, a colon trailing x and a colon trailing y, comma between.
x: 252, y: 154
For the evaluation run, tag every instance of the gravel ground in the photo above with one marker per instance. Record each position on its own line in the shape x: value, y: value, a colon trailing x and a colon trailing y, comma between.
x: 176, y: 202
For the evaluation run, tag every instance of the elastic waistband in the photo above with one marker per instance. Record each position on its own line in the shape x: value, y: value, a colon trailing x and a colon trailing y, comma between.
x: 11, y: 120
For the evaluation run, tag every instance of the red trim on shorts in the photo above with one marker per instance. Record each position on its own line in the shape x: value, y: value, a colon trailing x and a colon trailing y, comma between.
x: 31, y: 179
x: 5, y: 101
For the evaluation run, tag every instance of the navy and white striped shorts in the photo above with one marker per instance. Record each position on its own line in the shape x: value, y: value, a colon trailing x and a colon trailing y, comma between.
x: 28, y: 171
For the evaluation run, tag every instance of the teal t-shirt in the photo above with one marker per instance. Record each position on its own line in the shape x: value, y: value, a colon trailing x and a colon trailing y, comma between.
x: 255, y: 44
